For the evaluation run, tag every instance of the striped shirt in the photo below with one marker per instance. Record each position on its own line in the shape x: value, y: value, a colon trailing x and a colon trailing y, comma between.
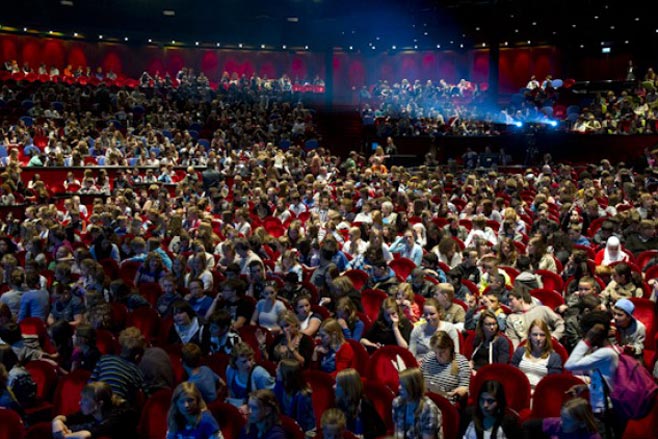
x: 439, y: 377
x: 122, y: 376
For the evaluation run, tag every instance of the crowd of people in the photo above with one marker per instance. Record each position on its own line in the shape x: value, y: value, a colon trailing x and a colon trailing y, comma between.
x: 413, y: 109
x: 258, y: 250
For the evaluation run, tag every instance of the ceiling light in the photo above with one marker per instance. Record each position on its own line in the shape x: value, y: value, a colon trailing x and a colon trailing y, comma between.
x: 612, y: 28
x: 477, y: 29
x: 75, y: 34
x: 626, y: 42
x: 219, y: 44
x: 150, y: 40
x: 351, y: 47
x: 582, y: 46
x: 240, y: 45
x: 393, y: 47
x: 284, y: 47
x: 528, y: 41
x: 461, y: 46
x: 196, y: 43
x: 125, y: 38
x: 516, y: 31
x: 168, y: 12
x: 306, y: 48
x: 377, y: 38
x: 605, y: 50
x: 24, y: 29
x: 505, y: 43
x: 573, y: 26
x: 293, y: 19
x: 373, y: 47
x: 534, y: 23
x: 637, y: 18
x: 484, y: 44
x: 596, y: 17
x: 415, y: 46
x: 438, y: 46
x: 173, y: 41
x: 100, y: 37
x: 452, y: 42
x: 66, y: 2
x: 425, y: 33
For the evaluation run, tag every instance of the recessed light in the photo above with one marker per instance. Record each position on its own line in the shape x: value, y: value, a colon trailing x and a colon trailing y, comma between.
x: 505, y: 43
x: 219, y: 44
x: 484, y: 44
x: 75, y: 34
x: 50, y: 32
x: 284, y: 47
x: 394, y: 47
x: 477, y: 29
x: 240, y: 45
x: 415, y: 46
x: 100, y: 37
x: 438, y: 46
x: 516, y: 31
x: 425, y: 33
x: 573, y: 26
x: 582, y: 46
x: 262, y: 46
x: 373, y: 47
x: 196, y: 43
x: 150, y: 40
x: 24, y: 29
x: 125, y: 38
x: 461, y: 46
x: 351, y: 47
x: 173, y: 41
x: 377, y: 38
x: 293, y: 19
x: 168, y: 12
x: 612, y: 28
x: 529, y: 42
x: 596, y: 17
x: 637, y: 18
x: 305, y: 47
x: 626, y: 42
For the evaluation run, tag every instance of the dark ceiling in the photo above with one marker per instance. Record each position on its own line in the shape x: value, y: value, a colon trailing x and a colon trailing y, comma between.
x: 342, y: 23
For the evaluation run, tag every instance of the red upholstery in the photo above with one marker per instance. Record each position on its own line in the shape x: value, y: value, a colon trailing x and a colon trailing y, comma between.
x: 67, y: 393
x: 291, y: 427
x: 322, y: 385
x: 642, y: 428
x: 153, y: 421
x: 128, y: 270
x: 358, y: 277
x: 511, y: 272
x: 218, y: 363
x: 449, y: 415
x: 550, y: 394
x: 145, y: 319
x: 111, y: 268
x: 12, y: 425
x: 644, y: 257
x: 557, y: 347
x: 228, y: 417
x: 151, y: 291
x: 41, y: 430
x: 361, y: 356
x: 552, y: 281
x: 515, y: 382
x: 382, y: 398
x: 471, y: 287
x: 372, y: 302
x: 402, y: 267
x: 248, y: 335
x: 36, y: 326
x: 106, y: 342
x: 381, y: 366
x: 548, y: 297
x: 645, y: 311
x: 44, y: 374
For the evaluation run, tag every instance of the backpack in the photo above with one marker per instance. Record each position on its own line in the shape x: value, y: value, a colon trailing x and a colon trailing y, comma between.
x: 634, y: 390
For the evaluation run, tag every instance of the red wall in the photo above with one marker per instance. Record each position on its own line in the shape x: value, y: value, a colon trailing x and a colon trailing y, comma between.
x: 351, y: 70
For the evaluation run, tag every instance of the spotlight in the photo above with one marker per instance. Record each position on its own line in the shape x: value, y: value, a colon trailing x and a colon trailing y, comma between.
x: 518, y: 124
x: 552, y: 123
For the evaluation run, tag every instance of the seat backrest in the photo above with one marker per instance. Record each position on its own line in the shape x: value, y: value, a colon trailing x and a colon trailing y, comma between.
x: 645, y: 312
x: 514, y: 381
x: 147, y: 320
x: 359, y: 278
x: 449, y: 415
x: 153, y: 421
x: 361, y: 356
x: 218, y: 363
x: 383, y: 365
x: 68, y: 391
x: 44, y: 375
x: 12, y: 425
x: 372, y: 302
x: 106, y: 342
x: 552, y: 281
x: 323, y: 396
x: 548, y: 297
x: 382, y: 399
x: 402, y: 267
x: 228, y: 417
x: 551, y: 393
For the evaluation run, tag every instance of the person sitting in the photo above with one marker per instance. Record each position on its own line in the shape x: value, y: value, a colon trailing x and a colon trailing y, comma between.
x: 576, y: 421
x: 490, y: 417
x: 294, y: 395
x: 243, y: 376
x: 333, y: 424
x: 390, y: 328
x: 611, y: 253
x: 291, y: 343
x: 189, y: 415
x: 263, y: 420
x: 452, y: 312
x: 333, y: 353
x: 629, y: 333
x: 489, y: 345
x: 207, y: 381
x: 348, y: 319
x: 446, y: 372
x: 85, y: 354
x: 268, y: 309
x: 361, y: 416
x: 419, y: 340
x: 537, y: 358
x: 407, y: 301
x: 102, y: 413
x: 222, y: 337
x: 188, y: 327
x: 524, y: 313
x: 624, y: 284
x: 415, y: 415
x: 7, y: 398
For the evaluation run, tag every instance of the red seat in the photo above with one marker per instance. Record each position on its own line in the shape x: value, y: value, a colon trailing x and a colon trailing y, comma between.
x: 111, y: 268
x: 151, y: 291
x: 514, y: 381
x: 361, y: 356
x: 12, y: 425
x: 645, y: 312
x: 586, y: 249
x: 67, y: 393
x: 372, y: 300
x: 106, y: 342
x: 359, y: 278
x: 36, y: 326
x: 644, y: 257
x: 40, y: 430
x: 322, y: 386
x: 382, y: 398
x: 641, y: 428
x: 44, y: 374
x: 449, y: 415
x: 511, y: 272
x: 552, y: 281
x: 145, y: 319
x: 471, y: 287
x: 381, y: 365
x: 547, y: 297
x: 177, y: 366
x: 153, y: 420
x: 248, y: 335
x: 402, y: 268
x: 367, y: 322
x: 291, y: 427
x: 119, y: 314
x: 218, y: 363
x: 128, y: 270
x: 228, y: 417
x: 550, y: 394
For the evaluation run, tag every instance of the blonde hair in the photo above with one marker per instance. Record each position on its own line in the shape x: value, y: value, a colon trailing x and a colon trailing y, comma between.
x: 176, y: 421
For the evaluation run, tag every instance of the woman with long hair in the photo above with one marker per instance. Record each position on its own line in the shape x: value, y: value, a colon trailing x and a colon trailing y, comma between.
x: 419, y: 341
x: 243, y: 375
x: 491, y: 418
x: 415, y: 415
x: 446, y: 372
x: 290, y: 343
x: 537, y: 358
x: 360, y: 413
x: 390, y: 328
x: 489, y: 345
x: 263, y: 420
x: 294, y: 394
x: 348, y: 319
x: 333, y: 353
x: 189, y: 416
